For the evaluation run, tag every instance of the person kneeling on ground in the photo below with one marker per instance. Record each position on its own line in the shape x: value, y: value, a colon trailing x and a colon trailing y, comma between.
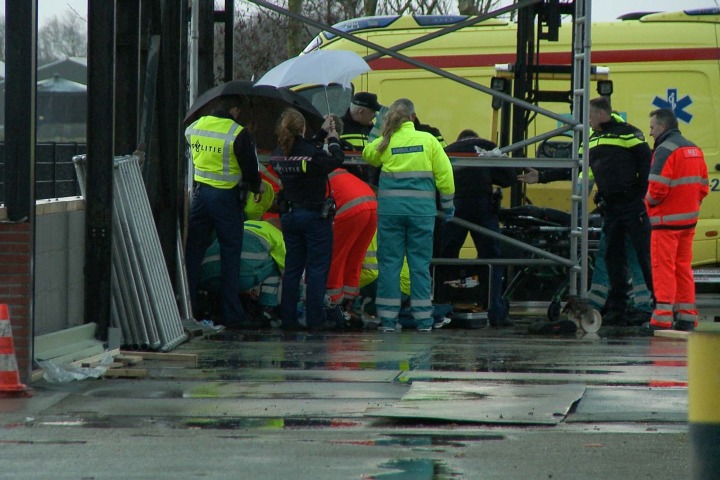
x: 261, y: 265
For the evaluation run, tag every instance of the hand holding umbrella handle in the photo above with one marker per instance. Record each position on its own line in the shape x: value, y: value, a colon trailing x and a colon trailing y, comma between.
x: 329, y: 123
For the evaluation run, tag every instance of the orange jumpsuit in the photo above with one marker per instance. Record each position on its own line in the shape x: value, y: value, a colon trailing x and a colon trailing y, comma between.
x: 678, y: 183
x: 353, y: 229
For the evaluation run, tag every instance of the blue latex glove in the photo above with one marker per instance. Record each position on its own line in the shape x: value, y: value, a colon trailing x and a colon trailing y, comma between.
x: 449, y: 213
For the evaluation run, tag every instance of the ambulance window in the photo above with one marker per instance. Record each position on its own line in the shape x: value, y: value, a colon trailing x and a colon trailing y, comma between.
x: 313, y: 45
x: 362, y: 23
x: 431, y: 20
x: 703, y: 11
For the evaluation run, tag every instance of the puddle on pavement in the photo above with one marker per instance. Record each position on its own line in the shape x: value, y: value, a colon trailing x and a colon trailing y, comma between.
x: 132, y: 392
x: 506, y: 365
x: 300, y: 351
x: 415, y: 469
x: 265, y: 423
x: 43, y: 442
x: 424, y: 440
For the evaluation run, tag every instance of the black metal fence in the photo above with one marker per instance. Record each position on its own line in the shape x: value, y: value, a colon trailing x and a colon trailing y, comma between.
x: 54, y: 170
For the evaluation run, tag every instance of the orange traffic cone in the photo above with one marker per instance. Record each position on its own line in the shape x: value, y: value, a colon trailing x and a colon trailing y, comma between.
x: 9, y: 377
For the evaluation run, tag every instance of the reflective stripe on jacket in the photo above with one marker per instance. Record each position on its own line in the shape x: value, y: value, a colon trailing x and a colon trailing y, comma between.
x: 270, y: 237
x: 678, y: 182
x: 268, y: 174
x: 350, y: 193
x: 620, y: 161
x: 211, y: 142
x: 354, y: 133
x: 414, y: 166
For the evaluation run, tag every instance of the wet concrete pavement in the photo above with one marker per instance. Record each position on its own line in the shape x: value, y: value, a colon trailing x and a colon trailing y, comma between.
x: 453, y: 403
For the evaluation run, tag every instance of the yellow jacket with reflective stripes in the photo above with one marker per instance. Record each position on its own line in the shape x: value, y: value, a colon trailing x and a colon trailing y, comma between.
x: 414, y: 166
x: 255, y: 211
x: 211, y: 143
x: 271, y: 239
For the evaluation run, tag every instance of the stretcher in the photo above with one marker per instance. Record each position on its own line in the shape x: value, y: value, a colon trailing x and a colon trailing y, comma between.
x: 549, y: 230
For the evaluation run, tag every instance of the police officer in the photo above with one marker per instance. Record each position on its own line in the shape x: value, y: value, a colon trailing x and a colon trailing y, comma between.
x: 354, y: 128
x: 358, y: 120
x: 224, y: 157
x: 414, y: 167
x: 620, y: 161
x: 678, y: 185
x: 306, y: 215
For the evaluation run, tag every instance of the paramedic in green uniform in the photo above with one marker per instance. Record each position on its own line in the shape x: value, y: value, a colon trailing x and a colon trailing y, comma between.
x: 414, y: 167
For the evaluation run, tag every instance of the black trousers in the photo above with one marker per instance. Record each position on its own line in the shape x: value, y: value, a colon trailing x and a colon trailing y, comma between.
x: 621, y: 219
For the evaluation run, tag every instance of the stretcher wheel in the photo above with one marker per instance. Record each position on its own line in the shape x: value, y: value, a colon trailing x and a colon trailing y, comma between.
x: 589, y: 321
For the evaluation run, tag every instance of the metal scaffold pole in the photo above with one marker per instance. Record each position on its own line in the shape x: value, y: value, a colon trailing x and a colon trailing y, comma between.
x: 581, y: 92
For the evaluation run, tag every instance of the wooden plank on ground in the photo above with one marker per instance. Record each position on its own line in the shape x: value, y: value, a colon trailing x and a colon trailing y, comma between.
x: 129, y: 359
x: 94, y: 358
x: 36, y: 375
x: 190, y: 358
x: 672, y: 334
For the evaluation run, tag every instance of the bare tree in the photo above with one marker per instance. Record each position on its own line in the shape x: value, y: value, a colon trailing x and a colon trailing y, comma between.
x: 477, y: 7
x: 260, y: 42
x: 260, y: 33
x: 370, y: 7
x: 418, y: 7
x: 294, y: 36
x: 62, y: 37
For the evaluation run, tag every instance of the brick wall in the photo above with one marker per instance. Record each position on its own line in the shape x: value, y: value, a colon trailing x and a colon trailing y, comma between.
x: 16, y: 286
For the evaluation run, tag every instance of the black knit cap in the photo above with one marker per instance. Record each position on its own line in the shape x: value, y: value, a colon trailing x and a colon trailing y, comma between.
x: 367, y: 100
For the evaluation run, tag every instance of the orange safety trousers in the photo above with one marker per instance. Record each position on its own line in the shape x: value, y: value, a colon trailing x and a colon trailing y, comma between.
x: 352, y: 235
x: 673, y: 281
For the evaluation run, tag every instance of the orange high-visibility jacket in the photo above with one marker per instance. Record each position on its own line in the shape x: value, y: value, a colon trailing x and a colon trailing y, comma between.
x: 350, y: 193
x: 678, y: 182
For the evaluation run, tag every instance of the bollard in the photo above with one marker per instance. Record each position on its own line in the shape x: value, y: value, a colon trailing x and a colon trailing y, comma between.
x: 704, y: 401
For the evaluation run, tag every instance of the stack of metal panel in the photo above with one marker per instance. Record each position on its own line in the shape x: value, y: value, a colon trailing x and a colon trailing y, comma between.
x: 143, y: 303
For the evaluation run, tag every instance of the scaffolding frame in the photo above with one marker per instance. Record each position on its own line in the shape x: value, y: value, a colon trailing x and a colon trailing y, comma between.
x: 577, y: 263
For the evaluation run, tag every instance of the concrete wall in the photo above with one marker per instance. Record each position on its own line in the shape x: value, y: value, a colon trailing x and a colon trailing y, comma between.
x: 59, y: 260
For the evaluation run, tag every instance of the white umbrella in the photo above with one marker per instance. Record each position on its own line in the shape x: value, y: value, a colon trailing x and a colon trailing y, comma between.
x: 320, y: 67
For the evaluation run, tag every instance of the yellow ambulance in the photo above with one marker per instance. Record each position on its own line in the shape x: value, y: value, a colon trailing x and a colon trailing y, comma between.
x: 654, y: 60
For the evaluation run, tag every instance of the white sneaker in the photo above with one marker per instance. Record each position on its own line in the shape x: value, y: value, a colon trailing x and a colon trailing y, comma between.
x: 209, y: 326
x: 442, y: 323
x: 384, y: 328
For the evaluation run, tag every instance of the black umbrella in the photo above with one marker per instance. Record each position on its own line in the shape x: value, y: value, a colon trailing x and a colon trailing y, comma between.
x: 260, y: 110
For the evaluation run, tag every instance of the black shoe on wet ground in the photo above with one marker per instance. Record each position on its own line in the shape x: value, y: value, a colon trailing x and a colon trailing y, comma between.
x: 614, y: 318
x: 636, y: 318
x: 684, y: 325
x: 647, y: 329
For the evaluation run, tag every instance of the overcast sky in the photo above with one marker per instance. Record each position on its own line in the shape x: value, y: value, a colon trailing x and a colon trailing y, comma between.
x: 602, y: 10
